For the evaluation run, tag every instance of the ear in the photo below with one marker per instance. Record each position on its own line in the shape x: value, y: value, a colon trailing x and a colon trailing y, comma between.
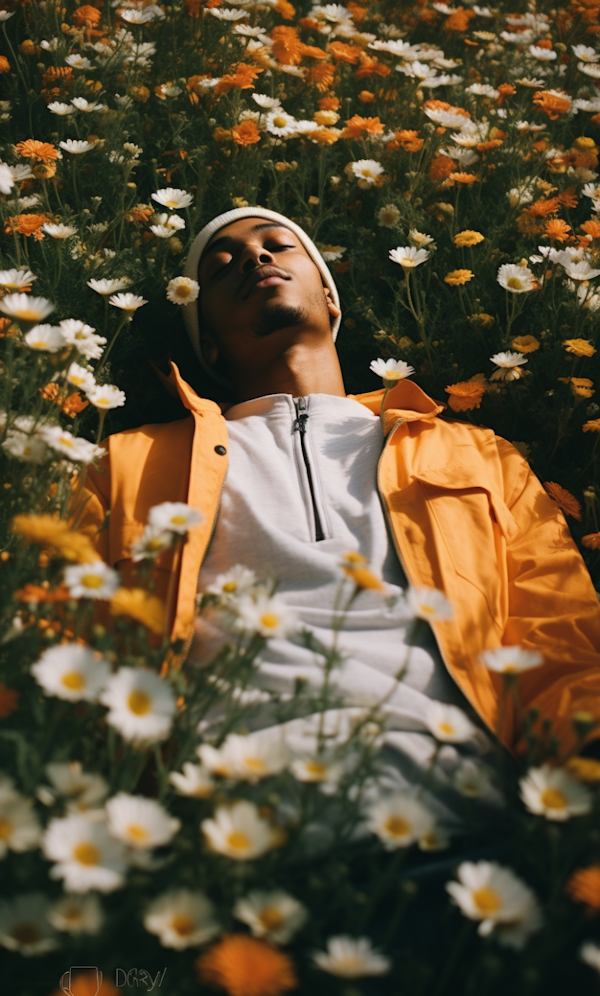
x: 332, y: 308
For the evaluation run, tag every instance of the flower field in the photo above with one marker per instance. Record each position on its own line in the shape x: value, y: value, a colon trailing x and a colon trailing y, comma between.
x: 444, y: 158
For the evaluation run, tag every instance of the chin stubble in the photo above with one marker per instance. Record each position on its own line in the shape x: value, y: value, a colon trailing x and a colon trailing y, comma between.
x: 280, y: 316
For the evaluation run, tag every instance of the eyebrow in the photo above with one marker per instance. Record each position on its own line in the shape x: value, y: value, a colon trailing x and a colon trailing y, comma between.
x: 226, y: 239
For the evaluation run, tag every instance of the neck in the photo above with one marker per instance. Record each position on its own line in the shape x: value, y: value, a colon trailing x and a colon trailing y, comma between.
x: 300, y: 370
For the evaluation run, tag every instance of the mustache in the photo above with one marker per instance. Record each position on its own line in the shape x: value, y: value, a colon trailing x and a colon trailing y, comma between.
x: 261, y: 273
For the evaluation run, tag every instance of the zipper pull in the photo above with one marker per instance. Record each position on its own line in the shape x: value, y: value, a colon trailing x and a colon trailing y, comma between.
x: 301, y: 416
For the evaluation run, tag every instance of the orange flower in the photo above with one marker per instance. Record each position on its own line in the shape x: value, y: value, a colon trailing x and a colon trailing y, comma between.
x: 9, y: 701
x: 322, y: 76
x: 242, y: 79
x: 366, y: 97
x: 245, y: 966
x: 287, y: 47
x: 140, y: 213
x: 358, y: 12
x: 568, y: 197
x: 369, y: 66
x: 74, y: 404
x: 586, y: 769
x: 441, y: 167
x: 579, y: 347
x: 456, y: 278
x: 488, y: 146
x: 86, y: 16
x: 467, y: 394
x: 246, y: 133
x: 441, y: 105
x: 557, y: 230
x: 286, y: 9
x: 525, y: 344
x: 582, y: 386
x: 459, y: 20
x: 461, y: 177
x: 329, y: 103
x: 584, y: 887
x: 551, y: 103
x: 592, y: 426
x: 37, y: 593
x: 357, y: 126
x: 591, y: 228
x: 505, y: 90
x: 592, y: 541
x: 222, y: 134
x: 27, y: 224
x: 408, y: 140
x: 86, y: 986
x: 564, y: 499
x: 4, y: 64
x: 324, y: 136
x: 41, y: 151
x: 543, y: 207
x: 345, y: 53
x: 51, y: 392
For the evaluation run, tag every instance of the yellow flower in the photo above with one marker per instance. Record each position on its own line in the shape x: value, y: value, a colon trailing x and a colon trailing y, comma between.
x: 468, y: 238
x: 140, y: 605
x: 580, y: 347
x: 482, y: 318
x: 586, y: 769
x: 48, y: 531
x: 456, y: 278
x: 525, y: 344
x: 582, y: 386
x: 245, y: 966
x: 592, y: 426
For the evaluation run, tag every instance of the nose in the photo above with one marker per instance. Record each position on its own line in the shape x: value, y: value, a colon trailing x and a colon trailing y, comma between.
x: 254, y: 255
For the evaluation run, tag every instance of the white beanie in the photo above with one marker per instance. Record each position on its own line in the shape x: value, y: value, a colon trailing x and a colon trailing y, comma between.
x: 190, y: 311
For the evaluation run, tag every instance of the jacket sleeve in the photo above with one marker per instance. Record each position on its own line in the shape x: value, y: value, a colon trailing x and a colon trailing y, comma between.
x: 553, y: 607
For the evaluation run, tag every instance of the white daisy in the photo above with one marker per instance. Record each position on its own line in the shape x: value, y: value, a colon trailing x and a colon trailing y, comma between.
x: 108, y: 287
x: 105, y: 396
x: 280, y: 123
x: 321, y: 770
x: 254, y: 756
x: 554, y: 793
x: 509, y: 364
x: 391, y: 371
x: 235, y: 582
x: 58, y: 107
x: 78, y: 62
x: 399, y: 820
x: 26, y: 309
x: 472, y: 780
x: 83, y: 337
x: 174, y: 516
x: 182, y: 290
x: 140, y: 822
x: 367, y: 172
x: 351, y: 958
x: 6, y: 179
x: 420, y: 239
x: 173, y: 198
x: 239, y: 832
x: 511, y: 660
x: 96, y: 580
x: 59, y: 232
x: 151, y: 543
x: 408, y: 256
x: 141, y: 705
x: 76, y: 147
x: 498, y: 899
x: 195, y: 781
x: 80, y: 377
x: 24, y: 925
x: 73, y: 447
x: 585, y: 54
x: 182, y: 919
x: 516, y: 279
x: 581, y: 271
x: 45, y: 338
x: 71, y: 672
x: 267, y: 615
x: 214, y: 760
x: 25, y: 447
x: 82, y: 789
x: 264, y: 102
x: 20, y: 829
x: 76, y: 915
x: 86, y: 856
x: 448, y: 723
x: 590, y: 954
x: 274, y: 915
x: 227, y: 13
x: 16, y: 280
x: 589, y: 69
x: 127, y: 302
x: 429, y: 604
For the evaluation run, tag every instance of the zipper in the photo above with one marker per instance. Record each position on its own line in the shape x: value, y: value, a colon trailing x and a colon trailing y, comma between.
x: 386, y: 513
x: 299, y: 426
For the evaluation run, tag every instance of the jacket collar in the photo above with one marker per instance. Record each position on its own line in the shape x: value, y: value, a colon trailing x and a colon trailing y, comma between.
x: 406, y: 401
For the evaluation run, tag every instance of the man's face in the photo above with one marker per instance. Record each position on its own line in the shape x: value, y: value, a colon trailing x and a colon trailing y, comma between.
x: 260, y: 292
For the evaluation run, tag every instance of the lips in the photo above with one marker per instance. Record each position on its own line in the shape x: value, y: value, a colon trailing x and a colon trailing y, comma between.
x: 262, y: 273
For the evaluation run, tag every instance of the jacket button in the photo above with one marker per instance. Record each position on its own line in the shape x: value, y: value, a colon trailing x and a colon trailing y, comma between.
x: 220, y: 450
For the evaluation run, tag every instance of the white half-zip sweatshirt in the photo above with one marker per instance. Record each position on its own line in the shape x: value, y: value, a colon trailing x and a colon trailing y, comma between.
x: 281, y: 484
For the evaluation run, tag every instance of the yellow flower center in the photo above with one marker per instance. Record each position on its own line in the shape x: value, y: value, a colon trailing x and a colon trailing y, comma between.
x: 229, y: 587
x: 6, y: 828
x: 76, y: 380
x: 26, y: 933
x: 397, y: 826
x: 74, y: 915
x: 38, y: 344
x: 139, y: 702
x: 553, y: 798
x: 515, y: 283
x: 154, y: 544
x: 171, y: 204
x: 183, y: 925
x: 178, y: 520
x: 316, y: 768
x: 255, y: 763
x: 428, y: 610
x: 27, y: 315
x: 279, y: 122
x: 87, y: 853
x: 74, y: 680
x: 183, y: 291
x: 269, y: 620
x: 92, y: 581
x: 446, y: 728
x: 271, y: 918
x: 487, y: 900
x: 65, y: 441
x: 367, y: 173
x: 137, y: 832
x: 238, y: 841
x: 102, y: 401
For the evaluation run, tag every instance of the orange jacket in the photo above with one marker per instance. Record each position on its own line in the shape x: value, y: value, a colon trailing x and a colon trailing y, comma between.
x: 466, y: 514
